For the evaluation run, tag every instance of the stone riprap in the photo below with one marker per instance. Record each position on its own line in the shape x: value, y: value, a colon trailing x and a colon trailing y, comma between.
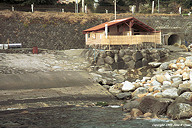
x: 126, y: 58
x: 172, y: 82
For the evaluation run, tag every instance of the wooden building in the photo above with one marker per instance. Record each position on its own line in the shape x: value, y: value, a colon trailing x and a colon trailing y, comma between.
x: 127, y: 31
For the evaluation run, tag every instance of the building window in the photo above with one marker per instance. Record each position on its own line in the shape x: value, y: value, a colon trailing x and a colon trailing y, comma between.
x: 118, y: 26
x: 88, y: 35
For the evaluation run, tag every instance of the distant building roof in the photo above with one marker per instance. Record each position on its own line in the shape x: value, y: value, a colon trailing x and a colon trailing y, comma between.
x: 137, y: 24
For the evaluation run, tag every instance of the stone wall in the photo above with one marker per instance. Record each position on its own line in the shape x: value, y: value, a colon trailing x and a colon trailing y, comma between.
x: 170, y: 25
x: 62, y: 35
x: 125, y: 58
x: 55, y: 36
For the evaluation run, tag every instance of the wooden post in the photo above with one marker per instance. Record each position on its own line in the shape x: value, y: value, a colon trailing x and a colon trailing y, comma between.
x: 32, y: 6
x: 8, y: 42
x: 76, y: 6
x: 85, y: 8
x: 13, y: 9
x: 180, y: 10
x: 106, y: 30
x: 86, y: 37
x: 130, y: 27
x: 152, y: 7
x: 133, y: 9
x: 158, y: 6
x: 115, y: 9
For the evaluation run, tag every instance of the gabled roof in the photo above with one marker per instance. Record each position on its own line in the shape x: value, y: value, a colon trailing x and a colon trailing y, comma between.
x: 138, y: 24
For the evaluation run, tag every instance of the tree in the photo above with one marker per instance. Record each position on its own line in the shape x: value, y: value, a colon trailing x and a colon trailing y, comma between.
x: 105, y: 2
x: 89, y: 3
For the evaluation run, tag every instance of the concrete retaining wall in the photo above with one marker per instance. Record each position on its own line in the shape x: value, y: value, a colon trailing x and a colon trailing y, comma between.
x: 62, y: 35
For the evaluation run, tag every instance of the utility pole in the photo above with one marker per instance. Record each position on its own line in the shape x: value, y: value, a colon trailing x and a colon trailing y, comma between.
x: 115, y: 9
x: 158, y: 6
x: 83, y: 6
x: 77, y: 5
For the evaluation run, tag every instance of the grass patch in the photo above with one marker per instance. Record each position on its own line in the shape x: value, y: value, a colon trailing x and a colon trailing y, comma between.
x: 102, y: 104
x: 68, y: 17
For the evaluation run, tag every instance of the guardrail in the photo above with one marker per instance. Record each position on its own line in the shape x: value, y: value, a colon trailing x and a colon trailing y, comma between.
x: 6, y: 46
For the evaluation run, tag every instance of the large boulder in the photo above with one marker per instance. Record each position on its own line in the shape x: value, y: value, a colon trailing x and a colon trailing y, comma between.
x: 127, y: 58
x: 131, y: 64
x: 125, y: 95
x: 186, y: 76
x: 164, y: 66
x: 121, y: 52
x: 109, y: 53
x: 173, y: 66
x: 135, y: 112
x: 102, y: 54
x: 155, y: 83
x: 166, y: 83
x: 128, y: 52
x: 100, y: 61
x: 187, y: 96
x: 181, y: 60
x: 130, y: 105
x: 186, y: 85
x: 182, y: 90
x: 138, y: 64
x: 137, y: 56
x: 155, y: 57
x: 128, y: 86
x: 139, y: 91
x: 170, y: 93
x: 180, y: 65
x: 153, y: 105
x: 180, y: 108
x: 158, y: 95
x: 160, y: 78
x: 154, y: 64
x: 177, y: 78
x: 114, y: 90
x: 109, y: 60
x: 188, y: 63
x: 176, y: 83
x: 145, y: 62
x: 191, y: 87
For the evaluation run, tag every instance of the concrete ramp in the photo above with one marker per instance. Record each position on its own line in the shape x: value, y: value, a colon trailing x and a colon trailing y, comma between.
x: 47, y: 89
x: 43, y: 80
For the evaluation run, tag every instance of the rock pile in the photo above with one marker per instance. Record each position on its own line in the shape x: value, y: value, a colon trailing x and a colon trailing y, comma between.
x: 168, y: 92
